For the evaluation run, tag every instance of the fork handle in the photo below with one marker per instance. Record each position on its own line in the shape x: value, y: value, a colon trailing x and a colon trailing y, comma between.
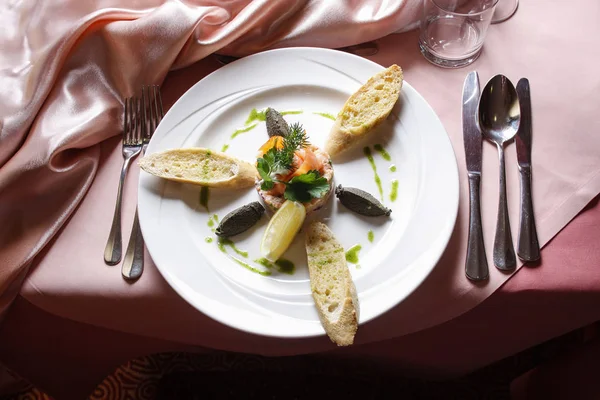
x: 114, y: 249
x: 133, y: 264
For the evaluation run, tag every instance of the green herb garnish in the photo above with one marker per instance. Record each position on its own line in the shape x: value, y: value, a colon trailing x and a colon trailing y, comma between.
x: 280, y: 161
x: 305, y: 187
x: 274, y: 162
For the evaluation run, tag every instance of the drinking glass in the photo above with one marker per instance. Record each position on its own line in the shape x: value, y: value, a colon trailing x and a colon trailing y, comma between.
x: 453, y: 31
x: 504, y: 10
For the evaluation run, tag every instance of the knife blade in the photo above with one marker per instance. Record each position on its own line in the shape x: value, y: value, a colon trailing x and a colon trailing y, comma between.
x: 528, y: 248
x: 476, y: 267
x: 471, y: 132
x: 523, y: 139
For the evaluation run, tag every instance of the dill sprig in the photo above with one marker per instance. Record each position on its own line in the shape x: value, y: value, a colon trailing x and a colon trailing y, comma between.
x: 295, y: 140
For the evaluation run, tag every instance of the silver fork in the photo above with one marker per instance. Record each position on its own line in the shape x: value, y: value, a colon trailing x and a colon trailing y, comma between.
x: 132, y: 145
x: 152, y: 111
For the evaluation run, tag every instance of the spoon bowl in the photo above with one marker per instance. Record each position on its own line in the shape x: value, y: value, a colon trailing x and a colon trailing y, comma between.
x: 499, y: 112
x: 499, y: 118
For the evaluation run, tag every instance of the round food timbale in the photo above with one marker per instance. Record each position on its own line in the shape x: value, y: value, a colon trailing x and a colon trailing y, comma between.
x: 306, y: 159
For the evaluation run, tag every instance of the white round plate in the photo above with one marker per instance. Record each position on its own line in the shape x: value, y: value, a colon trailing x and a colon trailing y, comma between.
x: 406, y: 246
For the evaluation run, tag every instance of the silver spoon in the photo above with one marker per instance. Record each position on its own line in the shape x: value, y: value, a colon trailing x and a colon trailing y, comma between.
x: 499, y: 118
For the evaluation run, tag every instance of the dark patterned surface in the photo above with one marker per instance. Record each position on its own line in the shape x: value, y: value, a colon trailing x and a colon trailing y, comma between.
x: 241, y: 376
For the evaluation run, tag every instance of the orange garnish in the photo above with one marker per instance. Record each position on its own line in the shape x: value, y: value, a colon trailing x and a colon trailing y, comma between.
x: 274, y: 141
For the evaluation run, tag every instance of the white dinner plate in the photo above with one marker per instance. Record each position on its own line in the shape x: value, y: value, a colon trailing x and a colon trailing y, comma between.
x: 220, y: 282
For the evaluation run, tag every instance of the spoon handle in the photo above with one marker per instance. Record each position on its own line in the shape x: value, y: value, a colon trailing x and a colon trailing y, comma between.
x: 504, y: 252
x: 476, y: 267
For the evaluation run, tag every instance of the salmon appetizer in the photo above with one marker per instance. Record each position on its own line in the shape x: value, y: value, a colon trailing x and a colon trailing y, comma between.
x: 291, y: 168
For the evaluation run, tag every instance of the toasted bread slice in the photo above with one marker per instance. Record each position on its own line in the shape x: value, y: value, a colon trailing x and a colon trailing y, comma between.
x: 200, y: 166
x: 365, y: 110
x: 331, y: 284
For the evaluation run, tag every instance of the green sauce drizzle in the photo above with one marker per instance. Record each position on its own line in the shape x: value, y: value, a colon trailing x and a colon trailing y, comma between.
x: 227, y: 242
x: 243, y: 130
x: 204, y: 194
x: 285, y: 266
x: 224, y: 148
x: 250, y: 267
x: 212, y: 221
x: 394, y: 193
x: 208, y: 239
x: 352, y: 254
x: 264, y: 262
x: 282, y: 265
x: 367, y: 151
x: 256, y: 116
x: 392, y: 168
x: 326, y: 115
x: 386, y: 156
x: 371, y: 236
x: 290, y: 112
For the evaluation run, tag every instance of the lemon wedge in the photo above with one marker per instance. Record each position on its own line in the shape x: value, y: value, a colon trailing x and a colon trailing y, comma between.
x: 282, y: 228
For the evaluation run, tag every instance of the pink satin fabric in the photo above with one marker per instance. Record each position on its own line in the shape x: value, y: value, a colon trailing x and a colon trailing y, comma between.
x: 66, y: 66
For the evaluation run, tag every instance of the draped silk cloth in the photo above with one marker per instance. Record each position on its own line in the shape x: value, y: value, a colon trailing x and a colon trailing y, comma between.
x: 65, y: 67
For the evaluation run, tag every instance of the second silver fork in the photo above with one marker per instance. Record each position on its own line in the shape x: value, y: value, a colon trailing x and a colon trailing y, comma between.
x: 132, y: 145
x: 152, y: 113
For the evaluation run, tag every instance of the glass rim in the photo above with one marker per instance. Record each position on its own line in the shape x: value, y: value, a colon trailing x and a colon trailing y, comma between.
x: 435, y: 2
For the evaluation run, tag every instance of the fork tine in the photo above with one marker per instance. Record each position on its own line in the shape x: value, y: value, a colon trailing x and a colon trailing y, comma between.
x: 161, y: 114
x: 150, y: 119
x: 125, y: 122
x: 133, y: 119
x: 140, y: 119
x: 156, y: 118
x: 145, y: 105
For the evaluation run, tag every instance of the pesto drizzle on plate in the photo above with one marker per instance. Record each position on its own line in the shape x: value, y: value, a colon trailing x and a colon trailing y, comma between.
x: 282, y: 265
x: 352, y: 254
x: 325, y: 115
x: 367, y: 151
x: 394, y: 191
x: 226, y: 242
x: 386, y: 156
x: 371, y: 235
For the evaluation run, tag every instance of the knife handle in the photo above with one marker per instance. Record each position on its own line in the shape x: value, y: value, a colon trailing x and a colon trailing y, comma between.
x: 476, y: 267
x: 528, y: 245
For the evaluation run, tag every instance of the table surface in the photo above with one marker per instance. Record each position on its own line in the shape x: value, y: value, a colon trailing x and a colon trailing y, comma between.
x: 69, y: 278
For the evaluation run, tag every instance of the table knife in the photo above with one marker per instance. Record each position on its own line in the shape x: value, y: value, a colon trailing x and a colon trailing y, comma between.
x: 476, y: 267
x: 528, y: 248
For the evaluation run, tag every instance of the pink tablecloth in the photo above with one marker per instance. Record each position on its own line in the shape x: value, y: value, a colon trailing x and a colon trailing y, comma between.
x: 70, y: 280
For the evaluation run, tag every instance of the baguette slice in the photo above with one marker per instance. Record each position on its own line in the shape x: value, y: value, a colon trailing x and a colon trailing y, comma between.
x: 200, y: 166
x: 331, y: 284
x: 365, y: 110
